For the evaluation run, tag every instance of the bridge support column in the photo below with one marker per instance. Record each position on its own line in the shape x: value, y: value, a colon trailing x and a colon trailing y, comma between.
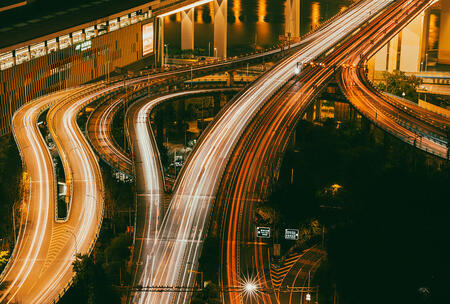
x: 292, y: 15
x: 230, y: 79
x: 444, y: 41
x: 381, y: 59
x: 386, y: 57
x: 392, y: 54
x: 220, y: 28
x: 160, y: 36
x: 412, y: 46
x: 187, y: 29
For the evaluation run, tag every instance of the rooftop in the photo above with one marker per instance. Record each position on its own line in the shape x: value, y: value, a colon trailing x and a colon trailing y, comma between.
x: 45, y: 17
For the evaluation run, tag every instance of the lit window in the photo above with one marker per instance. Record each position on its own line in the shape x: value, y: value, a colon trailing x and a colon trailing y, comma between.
x: 113, y: 25
x: 6, y: 61
x: 77, y: 36
x: 124, y: 21
x: 38, y: 50
x: 52, y: 46
x: 64, y: 41
x: 22, y: 55
x: 90, y: 32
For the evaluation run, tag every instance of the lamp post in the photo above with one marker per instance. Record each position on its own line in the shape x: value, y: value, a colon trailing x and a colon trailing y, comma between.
x: 191, y: 75
x: 215, y: 52
x: 166, y: 46
x: 201, y: 276
x: 75, y: 239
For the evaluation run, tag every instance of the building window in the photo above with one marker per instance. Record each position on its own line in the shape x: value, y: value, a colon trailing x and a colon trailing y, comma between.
x: 38, y: 50
x: 64, y: 42
x: 6, y: 61
x: 113, y: 25
x: 52, y: 46
x: 22, y: 55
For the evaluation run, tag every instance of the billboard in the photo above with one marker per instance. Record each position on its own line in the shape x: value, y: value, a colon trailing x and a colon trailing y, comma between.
x: 147, y: 39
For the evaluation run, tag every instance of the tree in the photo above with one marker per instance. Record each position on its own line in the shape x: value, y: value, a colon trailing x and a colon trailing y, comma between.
x: 4, y: 257
x: 91, y: 286
x: 398, y: 83
x: 119, y: 250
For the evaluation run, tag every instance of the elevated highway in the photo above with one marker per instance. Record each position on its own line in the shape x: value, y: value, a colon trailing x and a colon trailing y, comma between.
x: 38, y: 241
x: 255, y: 161
x: 179, y: 242
x: 409, y: 122
x: 149, y: 183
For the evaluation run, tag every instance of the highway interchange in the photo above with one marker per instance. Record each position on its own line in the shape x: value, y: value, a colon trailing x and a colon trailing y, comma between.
x: 226, y: 165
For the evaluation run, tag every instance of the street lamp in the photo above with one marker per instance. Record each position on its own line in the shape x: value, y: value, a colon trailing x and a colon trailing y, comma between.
x: 250, y: 287
x: 403, y: 94
x: 215, y: 52
x: 75, y: 239
x: 308, y: 297
x: 166, y: 46
x: 201, y: 276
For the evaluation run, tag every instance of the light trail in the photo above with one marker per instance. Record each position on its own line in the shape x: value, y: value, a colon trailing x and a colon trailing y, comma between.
x: 149, y: 183
x: 38, y: 217
x: 179, y: 242
x: 255, y: 158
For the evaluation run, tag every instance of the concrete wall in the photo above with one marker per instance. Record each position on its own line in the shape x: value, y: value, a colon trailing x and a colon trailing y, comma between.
x: 444, y: 34
x: 412, y: 45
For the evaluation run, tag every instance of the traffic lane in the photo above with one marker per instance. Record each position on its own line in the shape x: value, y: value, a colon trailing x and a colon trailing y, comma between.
x: 148, y: 173
x: 205, y: 186
x: 86, y: 194
x: 37, y: 213
x: 260, y: 145
x: 253, y: 158
x: 369, y: 105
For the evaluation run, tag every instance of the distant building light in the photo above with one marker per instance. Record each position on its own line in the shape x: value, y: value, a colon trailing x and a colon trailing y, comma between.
x: 86, y: 45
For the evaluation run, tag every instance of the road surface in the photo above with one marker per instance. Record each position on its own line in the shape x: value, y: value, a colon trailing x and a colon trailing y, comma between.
x: 178, y: 245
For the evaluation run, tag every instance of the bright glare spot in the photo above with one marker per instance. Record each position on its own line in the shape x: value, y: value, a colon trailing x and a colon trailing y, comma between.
x: 296, y: 70
x: 250, y: 288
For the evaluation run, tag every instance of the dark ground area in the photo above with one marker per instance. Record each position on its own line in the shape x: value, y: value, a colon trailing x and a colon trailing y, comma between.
x: 99, y: 275
x: 387, y: 234
x: 10, y: 175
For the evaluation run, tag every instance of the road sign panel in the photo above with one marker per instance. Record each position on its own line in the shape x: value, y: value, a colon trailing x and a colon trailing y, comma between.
x: 263, y: 232
x: 291, y: 234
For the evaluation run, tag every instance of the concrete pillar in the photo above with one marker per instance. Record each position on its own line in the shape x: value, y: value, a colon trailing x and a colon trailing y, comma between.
x: 217, y: 99
x: 412, y: 45
x: 317, y: 109
x: 444, y: 33
x: 160, y: 36
x: 230, y: 78
x: 393, y: 52
x: 386, y: 57
x: 381, y: 59
x: 292, y: 18
x: 220, y: 28
x: 187, y: 29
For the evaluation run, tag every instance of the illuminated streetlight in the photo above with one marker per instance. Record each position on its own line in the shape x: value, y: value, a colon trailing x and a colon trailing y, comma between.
x: 308, y: 297
x: 75, y: 239
x: 250, y: 287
